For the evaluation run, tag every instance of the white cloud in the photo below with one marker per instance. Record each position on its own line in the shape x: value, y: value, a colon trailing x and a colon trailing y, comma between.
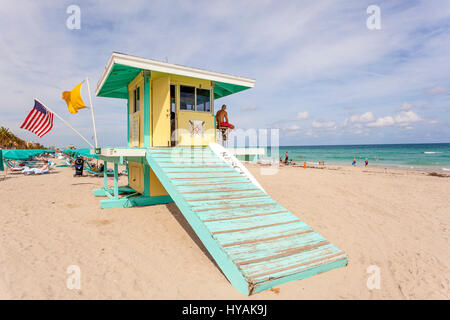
x: 438, y: 90
x: 248, y: 108
x: 292, y: 128
x: 403, y: 118
x: 406, y: 117
x: 406, y: 106
x: 324, y: 56
x: 324, y: 124
x: 365, y: 117
x: 302, y: 115
x: 382, y: 122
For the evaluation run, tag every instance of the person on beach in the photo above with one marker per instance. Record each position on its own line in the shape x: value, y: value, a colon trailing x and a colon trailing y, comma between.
x: 354, y: 161
x: 222, y: 118
x: 286, y: 157
x: 366, y: 162
x: 43, y: 169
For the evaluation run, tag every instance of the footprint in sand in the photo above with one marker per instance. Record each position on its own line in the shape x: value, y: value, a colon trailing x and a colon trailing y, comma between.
x: 275, y: 290
x: 100, y: 223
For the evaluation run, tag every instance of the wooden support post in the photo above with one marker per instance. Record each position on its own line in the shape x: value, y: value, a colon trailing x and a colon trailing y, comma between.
x: 116, y: 180
x: 146, y: 110
x: 105, y: 174
x: 146, y: 180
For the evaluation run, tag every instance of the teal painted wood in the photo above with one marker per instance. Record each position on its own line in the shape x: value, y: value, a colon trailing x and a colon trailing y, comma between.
x: 128, y: 119
x: 257, y: 287
x: 146, y: 180
x: 139, y: 160
x: 109, y: 159
x: 277, y: 268
x: 229, y: 194
x: 255, y: 241
x: 134, y: 201
x: 102, y: 192
x: 99, y: 192
x: 197, y: 174
x: 230, y: 270
x: 238, y: 237
x: 146, y: 111
x: 217, y: 188
x: 105, y: 174
x: 116, y: 181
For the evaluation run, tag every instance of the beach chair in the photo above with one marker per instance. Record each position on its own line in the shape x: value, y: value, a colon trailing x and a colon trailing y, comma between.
x: 2, y: 166
x: 108, y: 173
x: 28, y: 170
x: 13, y: 167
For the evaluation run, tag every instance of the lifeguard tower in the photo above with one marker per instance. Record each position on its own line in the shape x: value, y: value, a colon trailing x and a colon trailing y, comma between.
x: 172, y: 156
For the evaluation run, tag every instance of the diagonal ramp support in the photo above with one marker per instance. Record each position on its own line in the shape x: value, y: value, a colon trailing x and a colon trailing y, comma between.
x: 256, y: 242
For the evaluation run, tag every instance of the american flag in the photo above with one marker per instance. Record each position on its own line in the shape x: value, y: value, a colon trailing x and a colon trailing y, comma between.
x: 39, y: 120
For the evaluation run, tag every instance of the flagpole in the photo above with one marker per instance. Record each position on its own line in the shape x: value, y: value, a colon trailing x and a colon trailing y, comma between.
x: 65, y: 122
x: 92, y: 112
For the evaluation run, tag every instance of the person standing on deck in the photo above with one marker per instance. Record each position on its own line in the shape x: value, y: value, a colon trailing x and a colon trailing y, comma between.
x: 222, y: 118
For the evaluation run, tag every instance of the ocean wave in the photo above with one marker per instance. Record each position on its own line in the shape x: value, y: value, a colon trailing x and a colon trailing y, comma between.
x: 445, y: 169
x: 431, y: 152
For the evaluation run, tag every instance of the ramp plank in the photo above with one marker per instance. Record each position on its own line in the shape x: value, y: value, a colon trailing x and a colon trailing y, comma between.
x: 255, y: 241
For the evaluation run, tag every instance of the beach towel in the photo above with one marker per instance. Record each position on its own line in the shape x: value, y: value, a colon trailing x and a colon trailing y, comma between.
x: 28, y: 170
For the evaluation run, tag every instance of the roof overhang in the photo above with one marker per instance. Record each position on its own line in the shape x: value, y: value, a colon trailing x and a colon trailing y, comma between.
x: 122, y: 69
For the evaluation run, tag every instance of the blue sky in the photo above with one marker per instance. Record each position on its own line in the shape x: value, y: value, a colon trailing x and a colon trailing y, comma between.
x: 322, y: 77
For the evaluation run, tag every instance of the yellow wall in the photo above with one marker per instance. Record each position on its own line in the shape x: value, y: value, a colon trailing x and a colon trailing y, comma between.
x: 160, y: 107
x: 183, y: 116
x: 136, y: 176
x: 185, y: 138
x: 137, y: 82
x: 156, y: 188
x: 160, y: 122
x: 160, y: 110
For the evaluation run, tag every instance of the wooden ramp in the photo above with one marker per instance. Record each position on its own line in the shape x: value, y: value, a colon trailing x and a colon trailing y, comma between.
x: 255, y: 241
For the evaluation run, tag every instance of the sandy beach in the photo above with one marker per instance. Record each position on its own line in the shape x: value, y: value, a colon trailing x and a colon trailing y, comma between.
x: 396, y: 220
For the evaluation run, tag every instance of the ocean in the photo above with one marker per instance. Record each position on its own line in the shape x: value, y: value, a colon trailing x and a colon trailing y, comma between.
x: 429, y: 157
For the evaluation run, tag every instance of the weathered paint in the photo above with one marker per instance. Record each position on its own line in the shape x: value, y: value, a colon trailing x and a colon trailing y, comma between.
x: 147, y: 98
x: 134, y: 200
x: 255, y: 241
x: 136, y: 176
x: 138, y: 81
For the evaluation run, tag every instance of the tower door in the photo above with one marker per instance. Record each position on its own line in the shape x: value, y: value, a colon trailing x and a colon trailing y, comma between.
x: 173, y: 115
x: 161, y: 112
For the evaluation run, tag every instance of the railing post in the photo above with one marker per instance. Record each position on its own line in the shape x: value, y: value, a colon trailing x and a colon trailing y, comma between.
x: 116, y: 180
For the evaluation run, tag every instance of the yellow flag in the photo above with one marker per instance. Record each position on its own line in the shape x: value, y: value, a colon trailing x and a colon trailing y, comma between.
x: 73, y: 99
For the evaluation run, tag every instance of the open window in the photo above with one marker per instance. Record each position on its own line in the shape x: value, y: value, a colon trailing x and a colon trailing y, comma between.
x: 187, y: 98
x: 203, y: 100
x: 195, y: 99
